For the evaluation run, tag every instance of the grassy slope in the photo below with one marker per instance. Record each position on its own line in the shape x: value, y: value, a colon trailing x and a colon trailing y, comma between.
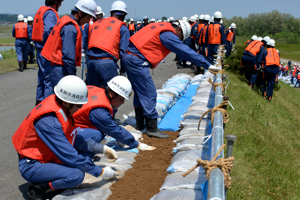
x: 267, y: 156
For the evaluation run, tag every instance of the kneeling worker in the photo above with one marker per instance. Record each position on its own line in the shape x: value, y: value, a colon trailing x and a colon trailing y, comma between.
x: 98, y: 112
x: 46, y: 142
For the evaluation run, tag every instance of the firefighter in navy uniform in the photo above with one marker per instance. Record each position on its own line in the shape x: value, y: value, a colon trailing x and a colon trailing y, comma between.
x: 230, y: 39
x: 21, y: 31
x: 64, y: 45
x: 51, y: 154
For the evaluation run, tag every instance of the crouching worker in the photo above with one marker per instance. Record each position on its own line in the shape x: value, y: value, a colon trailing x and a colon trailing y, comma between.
x: 46, y: 142
x: 98, y: 112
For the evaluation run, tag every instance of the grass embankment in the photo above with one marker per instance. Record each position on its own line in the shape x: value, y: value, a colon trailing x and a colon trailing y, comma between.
x: 287, y: 51
x: 267, y: 150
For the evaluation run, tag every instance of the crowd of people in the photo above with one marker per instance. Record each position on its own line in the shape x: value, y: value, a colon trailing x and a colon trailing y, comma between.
x: 57, y: 140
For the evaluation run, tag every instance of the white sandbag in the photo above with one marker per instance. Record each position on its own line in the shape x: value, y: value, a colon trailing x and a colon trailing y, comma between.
x: 175, y: 181
x: 191, y: 155
x: 194, y: 132
x: 188, y: 136
x: 173, y: 91
x: 160, y: 112
x: 162, y: 106
x: 186, y: 122
x: 178, y: 195
x: 83, y: 194
x: 183, y: 75
x: 196, y: 114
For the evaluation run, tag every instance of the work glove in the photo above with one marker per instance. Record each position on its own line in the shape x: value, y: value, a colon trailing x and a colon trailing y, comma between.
x: 31, y: 43
x: 108, y: 152
x: 145, y: 147
x: 214, y: 68
x: 108, y: 173
x: 258, y: 67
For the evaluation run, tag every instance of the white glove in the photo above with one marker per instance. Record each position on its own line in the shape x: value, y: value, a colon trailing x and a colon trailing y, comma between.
x: 108, y: 173
x: 214, y: 68
x: 145, y: 147
x: 31, y: 43
x: 110, y: 153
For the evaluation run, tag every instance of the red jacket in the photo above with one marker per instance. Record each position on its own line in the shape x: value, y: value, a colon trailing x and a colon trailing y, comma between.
x: 96, y: 99
x: 26, y: 140
x: 38, y: 23
x: 106, y: 35
x: 52, y: 50
x: 147, y: 41
x: 21, y: 30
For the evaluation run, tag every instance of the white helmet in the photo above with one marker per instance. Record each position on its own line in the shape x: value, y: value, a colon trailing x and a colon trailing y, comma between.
x: 271, y: 43
x: 206, y: 17
x: 119, y: 6
x: 20, y: 18
x: 233, y: 25
x: 152, y: 20
x: 218, y: 15
x: 71, y: 89
x: 221, y: 21
x: 259, y: 38
x: 186, y: 29
x: 29, y: 18
x: 212, y: 20
x: 193, y: 19
x: 171, y: 18
x: 131, y: 19
x: 254, y: 37
x: 184, y: 19
x: 99, y: 10
x: 266, y: 39
x: 145, y: 17
x: 197, y: 16
x: 87, y: 6
x: 120, y: 85
x: 201, y: 17
x: 25, y: 20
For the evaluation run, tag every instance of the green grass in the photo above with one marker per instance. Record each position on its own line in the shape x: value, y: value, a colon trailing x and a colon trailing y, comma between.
x: 267, y: 150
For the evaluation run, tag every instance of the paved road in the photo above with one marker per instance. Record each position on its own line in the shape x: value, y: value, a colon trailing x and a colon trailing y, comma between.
x: 17, y: 98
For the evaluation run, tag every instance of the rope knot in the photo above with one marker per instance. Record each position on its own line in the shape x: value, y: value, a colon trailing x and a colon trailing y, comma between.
x: 223, y: 85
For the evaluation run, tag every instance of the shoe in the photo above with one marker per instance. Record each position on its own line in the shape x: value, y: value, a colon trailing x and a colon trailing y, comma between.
x: 25, y: 65
x: 214, y: 68
x: 270, y: 98
x: 264, y: 95
x: 140, y: 119
x: 197, y: 70
x: 38, y: 191
x: 179, y: 66
x: 21, y: 66
x: 152, y: 130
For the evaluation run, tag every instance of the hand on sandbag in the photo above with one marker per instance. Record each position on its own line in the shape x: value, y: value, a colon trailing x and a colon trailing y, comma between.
x: 145, y: 147
x: 110, y: 153
x: 108, y: 173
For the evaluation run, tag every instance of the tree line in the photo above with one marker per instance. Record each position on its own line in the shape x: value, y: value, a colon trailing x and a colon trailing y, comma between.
x: 282, y: 26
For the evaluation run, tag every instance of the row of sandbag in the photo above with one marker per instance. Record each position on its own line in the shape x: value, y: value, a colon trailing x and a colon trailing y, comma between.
x: 190, y: 146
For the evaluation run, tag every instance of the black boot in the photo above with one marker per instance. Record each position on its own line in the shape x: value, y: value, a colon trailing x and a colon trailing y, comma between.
x: 140, y: 119
x: 25, y: 65
x: 38, y: 191
x: 197, y: 70
x: 152, y: 130
x: 21, y: 66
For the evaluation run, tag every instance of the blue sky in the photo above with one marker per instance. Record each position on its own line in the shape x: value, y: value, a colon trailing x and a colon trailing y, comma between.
x: 175, y: 8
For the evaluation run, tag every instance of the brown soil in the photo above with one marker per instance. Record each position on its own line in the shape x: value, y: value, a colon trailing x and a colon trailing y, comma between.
x: 148, y: 171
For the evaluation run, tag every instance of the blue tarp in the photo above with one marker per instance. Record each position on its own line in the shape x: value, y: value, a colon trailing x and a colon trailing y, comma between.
x: 171, y: 120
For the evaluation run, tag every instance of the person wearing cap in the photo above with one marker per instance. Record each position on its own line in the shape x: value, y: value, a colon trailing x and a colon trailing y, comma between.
x: 50, y: 157
x: 63, y: 47
x: 45, y: 19
x: 215, y: 36
x: 250, y: 59
x: 171, y: 20
x: 254, y: 37
x: 190, y: 41
x: 131, y: 27
x: 271, y: 61
x: 289, y: 63
x: 108, y: 42
x: 21, y: 31
x: 138, y: 26
x: 230, y: 39
x: 31, y: 50
x: 145, y: 22
x: 146, y: 50
x: 98, y: 112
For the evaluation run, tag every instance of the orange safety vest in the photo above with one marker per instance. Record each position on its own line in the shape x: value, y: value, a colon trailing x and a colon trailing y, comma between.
x: 96, y: 99
x: 200, y: 26
x: 26, y: 140
x: 214, y: 35
x: 203, y: 33
x: 91, y: 25
x: 21, y: 30
x: 294, y: 72
x: 106, y: 35
x: 298, y: 76
x: 246, y: 42
x: 272, y: 57
x: 254, y: 47
x: 131, y: 27
x: 286, y: 68
x: 147, y: 41
x: 230, y: 36
x: 38, y: 23
x: 52, y: 50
